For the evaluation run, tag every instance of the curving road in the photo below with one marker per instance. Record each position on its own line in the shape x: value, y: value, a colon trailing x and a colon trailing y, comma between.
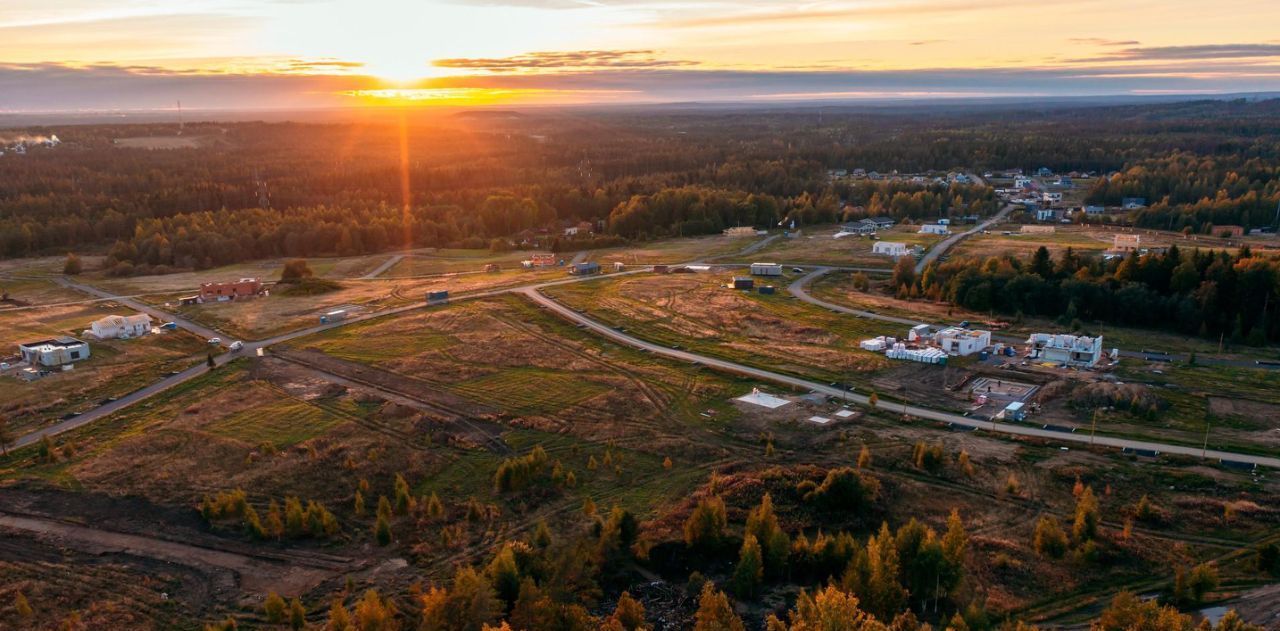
x: 942, y: 246
x: 1018, y: 430
x: 250, y: 348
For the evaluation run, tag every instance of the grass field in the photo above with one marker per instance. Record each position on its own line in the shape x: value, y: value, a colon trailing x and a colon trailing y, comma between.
x: 281, y: 422
x: 530, y: 391
x: 697, y: 312
x: 817, y: 246
x: 114, y: 367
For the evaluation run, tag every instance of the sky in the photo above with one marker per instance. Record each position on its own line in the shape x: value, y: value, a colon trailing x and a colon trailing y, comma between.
x: 75, y: 55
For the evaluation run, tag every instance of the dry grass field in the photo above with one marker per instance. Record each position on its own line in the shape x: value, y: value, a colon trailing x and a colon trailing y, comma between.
x: 114, y: 368
x: 698, y: 312
x: 816, y: 245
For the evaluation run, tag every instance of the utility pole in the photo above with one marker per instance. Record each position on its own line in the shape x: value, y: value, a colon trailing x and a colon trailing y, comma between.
x: 1093, y: 429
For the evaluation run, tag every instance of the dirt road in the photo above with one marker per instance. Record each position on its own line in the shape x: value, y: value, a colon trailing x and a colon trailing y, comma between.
x: 287, y: 574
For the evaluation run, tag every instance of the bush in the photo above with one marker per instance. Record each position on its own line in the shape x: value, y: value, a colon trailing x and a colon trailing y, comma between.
x: 843, y: 489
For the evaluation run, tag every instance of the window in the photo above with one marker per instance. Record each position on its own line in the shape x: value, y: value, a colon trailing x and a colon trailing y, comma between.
x: 75, y: 354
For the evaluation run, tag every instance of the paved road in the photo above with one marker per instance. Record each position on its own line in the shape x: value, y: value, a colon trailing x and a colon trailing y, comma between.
x: 755, y: 247
x: 796, y: 288
x: 386, y: 265
x: 250, y: 349
x: 942, y: 246
x: 162, y: 316
x: 787, y: 380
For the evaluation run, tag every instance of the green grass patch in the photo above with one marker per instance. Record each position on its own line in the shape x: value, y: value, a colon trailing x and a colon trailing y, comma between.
x: 361, y: 342
x: 282, y: 423
x: 530, y: 390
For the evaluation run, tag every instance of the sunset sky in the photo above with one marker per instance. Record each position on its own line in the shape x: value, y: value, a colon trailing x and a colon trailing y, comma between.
x: 134, y: 54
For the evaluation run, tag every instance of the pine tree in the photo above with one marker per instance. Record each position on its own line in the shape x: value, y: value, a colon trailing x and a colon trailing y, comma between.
x: 339, y: 617
x: 714, y: 612
x: 749, y: 572
x: 435, y: 509
x: 274, y: 608
x: 359, y: 504
x: 373, y: 613
x: 864, y: 458
x: 22, y: 607
x: 1049, y: 539
x: 1085, y: 526
x: 705, y: 526
x: 873, y: 399
x: 629, y: 614
x: 404, y: 500
x: 666, y: 463
x: 297, y: 615
x: 382, y: 531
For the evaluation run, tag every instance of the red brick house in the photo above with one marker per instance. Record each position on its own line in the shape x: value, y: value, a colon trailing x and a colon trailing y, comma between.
x: 222, y: 292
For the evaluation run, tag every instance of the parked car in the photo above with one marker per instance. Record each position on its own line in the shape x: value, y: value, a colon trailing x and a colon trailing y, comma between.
x: 215, y: 341
x: 236, y: 345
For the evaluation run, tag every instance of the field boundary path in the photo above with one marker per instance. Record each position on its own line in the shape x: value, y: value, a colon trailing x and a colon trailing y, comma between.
x: 942, y: 246
x: 386, y: 265
x: 905, y: 408
x: 533, y: 293
x: 283, y: 571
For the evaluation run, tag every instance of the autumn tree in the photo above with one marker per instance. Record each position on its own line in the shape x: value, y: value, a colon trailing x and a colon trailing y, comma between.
x: 749, y: 572
x: 72, y: 266
x: 374, y: 613
x: 1049, y: 539
x: 714, y: 612
x: 274, y: 608
x: 1085, y: 526
x: 6, y: 435
x: 297, y: 615
x: 467, y: 605
x: 705, y: 526
x: 628, y: 614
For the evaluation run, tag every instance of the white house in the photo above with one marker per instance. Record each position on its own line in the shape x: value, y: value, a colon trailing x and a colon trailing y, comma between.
x: 114, y: 326
x: 934, y: 228
x: 571, y: 231
x: 890, y: 248
x: 1021, y: 182
x: 766, y: 269
x: 1073, y: 350
x: 1052, y: 198
x: 957, y: 341
x: 54, y: 352
x: 1047, y: 214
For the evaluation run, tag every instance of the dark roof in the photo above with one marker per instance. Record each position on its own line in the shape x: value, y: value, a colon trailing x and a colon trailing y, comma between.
x: 57, y: 341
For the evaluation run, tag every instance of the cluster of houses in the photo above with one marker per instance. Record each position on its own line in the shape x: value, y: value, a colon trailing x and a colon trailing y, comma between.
x: 63, y: 352
x: 934, y: 177
x: 926, y: 344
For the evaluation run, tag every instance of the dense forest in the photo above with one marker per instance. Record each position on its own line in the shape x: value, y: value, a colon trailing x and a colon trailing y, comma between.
x: 253, y: 190
x: 1205, y: 293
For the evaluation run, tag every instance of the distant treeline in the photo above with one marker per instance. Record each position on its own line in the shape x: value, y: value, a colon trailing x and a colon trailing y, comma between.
x: 1186, y: 191
x: 1205, y: 293
x: 252, y: 190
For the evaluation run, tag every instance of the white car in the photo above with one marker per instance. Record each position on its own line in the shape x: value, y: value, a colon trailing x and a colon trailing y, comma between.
x: 236, y: 345
x: 215, y: 341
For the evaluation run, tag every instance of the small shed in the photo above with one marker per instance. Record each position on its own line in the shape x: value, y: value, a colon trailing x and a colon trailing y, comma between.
x: 1014, y: 412
x: 766, y: 289
x: 743, y: 282
x: 766, y: 269
x: 584, y: 269
x: 437, y: 297
x: 619, y: 266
